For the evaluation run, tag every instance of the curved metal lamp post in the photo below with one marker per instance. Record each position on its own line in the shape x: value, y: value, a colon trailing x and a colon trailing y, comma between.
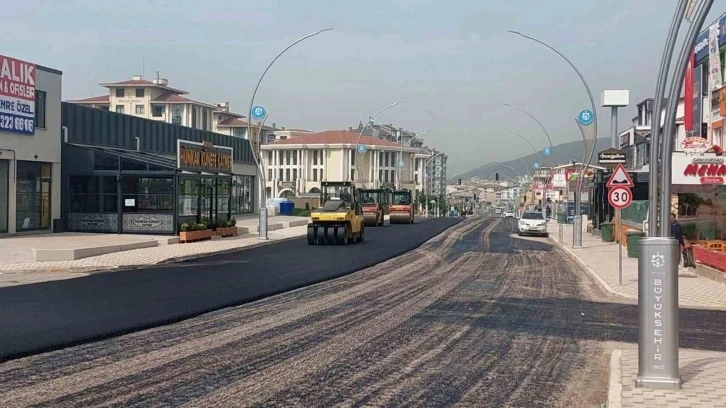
x: 358, y: 155
x: 577, y: 228
x: 262, y: 227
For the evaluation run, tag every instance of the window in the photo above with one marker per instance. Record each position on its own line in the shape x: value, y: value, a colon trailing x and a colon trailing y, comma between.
x: 352, y: 174
x: 385, y: 160
x: 139, y: 109
x: 315, y: 157
x: 380, y: 175
x: 385, y: 176
x: 352, y: 157
x: 194, y: 117
x: 139, y: 92
x: 294, y: 158
x: 287, y: 157
x: 120, y: 92
x: 176, y: 115
x: 280, y: 175
x: 205, y: 120
x: 393, y: 176
x: 157, y: 111
x: 415, y: 178
x: 294, y: 174
x: 238, y: 132
x: 269, y: 174
x: 33, y: 195
x: 148, y: 194
x: 287, y: 175
x: 315, y: 174
x: 40, y: 109
x: 380, y: 159
x: 93, y: 194
x: 119, y: 109
x: 269, y: 158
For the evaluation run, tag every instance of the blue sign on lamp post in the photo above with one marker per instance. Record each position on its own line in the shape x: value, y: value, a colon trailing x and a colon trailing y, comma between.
x: 362, y: 149
x: 585, y: 117
x: 535, y: 166
x: 547, y: 151
x: 401, y: 164
x: 258, y: 112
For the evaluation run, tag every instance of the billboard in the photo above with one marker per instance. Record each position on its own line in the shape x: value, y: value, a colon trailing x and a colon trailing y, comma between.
x: 17, y: 96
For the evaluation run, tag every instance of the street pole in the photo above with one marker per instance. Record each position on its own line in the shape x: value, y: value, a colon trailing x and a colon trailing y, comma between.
x: 590, y: 130
x: 658, y: 310
x: 262, y: 226
x: 551, y: 155
x: 371, y: 119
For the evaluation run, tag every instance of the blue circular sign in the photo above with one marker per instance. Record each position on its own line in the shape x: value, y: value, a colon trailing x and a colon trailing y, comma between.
x: 547, y: 151
x: 536, y: 165
x: 362, y: 148
x: 259, y: 112
x: 585, y: 117
x: 401, y: 164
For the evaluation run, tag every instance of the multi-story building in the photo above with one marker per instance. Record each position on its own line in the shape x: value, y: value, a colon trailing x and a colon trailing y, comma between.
x: 30, y: 146
x: 156, y: 100
x: 298, y: 164
x: 435, y: 172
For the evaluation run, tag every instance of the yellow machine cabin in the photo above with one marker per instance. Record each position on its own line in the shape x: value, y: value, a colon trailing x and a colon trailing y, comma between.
x: 339, y: 220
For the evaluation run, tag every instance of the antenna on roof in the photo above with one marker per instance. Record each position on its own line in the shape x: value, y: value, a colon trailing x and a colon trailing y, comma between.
x: 143, y: 67
x: 157, y: 75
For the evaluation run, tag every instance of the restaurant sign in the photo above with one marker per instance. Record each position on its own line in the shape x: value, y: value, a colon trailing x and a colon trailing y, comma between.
x: 701, y: 170
x: 206, y: 157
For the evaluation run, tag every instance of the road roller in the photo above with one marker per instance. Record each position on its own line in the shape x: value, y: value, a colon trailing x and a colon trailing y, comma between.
x: 401, y: 209
x: 339, y: 220
x: 375, y: 204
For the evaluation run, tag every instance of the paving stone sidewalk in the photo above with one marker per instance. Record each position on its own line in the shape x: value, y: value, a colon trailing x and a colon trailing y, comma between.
x: 703, y: 374
x: 601, y: 261
x: 31, y: 272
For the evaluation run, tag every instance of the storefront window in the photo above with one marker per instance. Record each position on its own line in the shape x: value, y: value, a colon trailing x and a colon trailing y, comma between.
x: 147, y: 195
x: 243, y: 194
x: 4, y: 173
x: 93, y: 194
x: 188, y: 197
x: 33, y: 196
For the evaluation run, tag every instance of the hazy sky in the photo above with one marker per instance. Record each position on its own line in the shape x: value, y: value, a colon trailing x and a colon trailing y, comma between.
x: 452, y: 62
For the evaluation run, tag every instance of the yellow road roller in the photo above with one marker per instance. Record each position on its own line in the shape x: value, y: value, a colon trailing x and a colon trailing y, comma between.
x: 339, y: 220
x: 375, y: 204
x: 401, y: 209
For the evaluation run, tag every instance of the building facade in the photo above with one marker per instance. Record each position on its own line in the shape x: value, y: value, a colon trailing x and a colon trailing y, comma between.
x: 297, y: 165
x: 30, y: 146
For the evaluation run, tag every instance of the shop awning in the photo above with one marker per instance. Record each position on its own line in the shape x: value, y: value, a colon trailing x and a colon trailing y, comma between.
x: 134, y: 155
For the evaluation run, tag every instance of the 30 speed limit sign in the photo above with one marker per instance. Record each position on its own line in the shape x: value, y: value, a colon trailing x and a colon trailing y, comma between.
x: 620, y: 197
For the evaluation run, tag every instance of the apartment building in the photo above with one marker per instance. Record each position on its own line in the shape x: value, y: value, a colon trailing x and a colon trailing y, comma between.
x: 156, y: 100
x: 298, y: 164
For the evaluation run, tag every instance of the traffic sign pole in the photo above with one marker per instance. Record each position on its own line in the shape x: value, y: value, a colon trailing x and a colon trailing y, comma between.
x: 619, y: 198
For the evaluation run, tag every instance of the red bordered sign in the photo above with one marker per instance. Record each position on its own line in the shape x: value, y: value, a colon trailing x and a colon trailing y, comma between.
x: 620, y: 197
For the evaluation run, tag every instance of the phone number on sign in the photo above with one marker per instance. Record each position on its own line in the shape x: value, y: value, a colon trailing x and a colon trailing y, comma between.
x: 13, y: 124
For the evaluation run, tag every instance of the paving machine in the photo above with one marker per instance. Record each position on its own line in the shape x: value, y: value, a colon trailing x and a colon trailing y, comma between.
x: 401, y: 208
x: 375, y: 203
x: 339, y: 220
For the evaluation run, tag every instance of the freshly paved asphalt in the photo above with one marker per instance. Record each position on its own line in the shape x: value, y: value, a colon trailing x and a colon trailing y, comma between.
x: 50, y: 315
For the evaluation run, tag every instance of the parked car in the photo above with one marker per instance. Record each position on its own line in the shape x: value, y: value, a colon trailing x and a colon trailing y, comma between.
x: 509, y: 214
x: 532, y: 223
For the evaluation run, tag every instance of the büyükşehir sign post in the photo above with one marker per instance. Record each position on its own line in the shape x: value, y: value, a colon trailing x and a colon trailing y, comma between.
x: 194, y: 157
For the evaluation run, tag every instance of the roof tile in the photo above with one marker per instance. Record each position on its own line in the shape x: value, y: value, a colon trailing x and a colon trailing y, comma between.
x: 335, y: 137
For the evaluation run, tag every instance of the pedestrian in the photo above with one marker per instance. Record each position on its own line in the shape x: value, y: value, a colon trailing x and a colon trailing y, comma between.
x: 677, y: 233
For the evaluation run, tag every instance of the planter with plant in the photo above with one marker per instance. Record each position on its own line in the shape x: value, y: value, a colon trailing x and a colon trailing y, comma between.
x: 227, y: 228
x: 194, y: 232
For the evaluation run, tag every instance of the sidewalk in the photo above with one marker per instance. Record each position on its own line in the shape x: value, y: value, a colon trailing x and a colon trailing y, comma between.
x: 19, y: 273
x: 600, y: 260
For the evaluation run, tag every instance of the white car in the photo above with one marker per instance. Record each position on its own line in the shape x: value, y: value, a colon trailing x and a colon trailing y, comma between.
x: 532, y: 223
x: 509, y: 214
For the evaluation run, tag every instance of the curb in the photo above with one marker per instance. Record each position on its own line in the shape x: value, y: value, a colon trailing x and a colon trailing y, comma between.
x: 221, y: 252
x: 615, y: 389
x: 600, y: 282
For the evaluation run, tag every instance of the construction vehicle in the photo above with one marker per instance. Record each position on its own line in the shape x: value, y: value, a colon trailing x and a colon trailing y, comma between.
x: 401, y: 209
x: 376, y: 204
x: 339, y: 220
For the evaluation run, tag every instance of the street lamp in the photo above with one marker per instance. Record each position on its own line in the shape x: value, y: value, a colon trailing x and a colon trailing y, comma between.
x: 371, y: 119
x: 577, y: 228
x: 262, y: 226
x: 549, y: 140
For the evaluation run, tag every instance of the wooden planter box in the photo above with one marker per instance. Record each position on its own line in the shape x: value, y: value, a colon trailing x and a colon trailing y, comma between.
x: 189, y: 236
x: 227, y: 231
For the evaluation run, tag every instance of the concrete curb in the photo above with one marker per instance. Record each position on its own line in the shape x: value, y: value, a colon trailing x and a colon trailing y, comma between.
x: 615, y: 389
x: 220, y: 252
x: 600, y: 282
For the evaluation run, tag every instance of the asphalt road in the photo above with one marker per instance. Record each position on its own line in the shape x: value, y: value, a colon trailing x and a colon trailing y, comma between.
x: 476, y: 317
x: 49, y: 315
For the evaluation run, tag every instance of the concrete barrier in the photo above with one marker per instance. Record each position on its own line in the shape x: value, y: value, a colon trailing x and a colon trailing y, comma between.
x: 71, y: 254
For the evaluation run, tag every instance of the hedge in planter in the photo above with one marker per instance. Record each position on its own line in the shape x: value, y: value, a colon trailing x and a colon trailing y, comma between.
x: 194, y: 232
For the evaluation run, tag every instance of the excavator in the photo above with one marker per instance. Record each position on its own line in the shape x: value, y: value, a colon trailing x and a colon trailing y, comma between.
x: 339, y: 220
x: 375, y: 203
x: 401, y: 208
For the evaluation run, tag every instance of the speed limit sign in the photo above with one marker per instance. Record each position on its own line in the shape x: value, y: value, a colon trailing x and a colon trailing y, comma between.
x: 620, y: 197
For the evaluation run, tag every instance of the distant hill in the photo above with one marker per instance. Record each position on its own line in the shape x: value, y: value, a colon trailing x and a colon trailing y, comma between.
x: 563, y: 154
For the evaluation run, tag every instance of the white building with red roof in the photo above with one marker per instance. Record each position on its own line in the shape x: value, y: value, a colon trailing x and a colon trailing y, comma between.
x: 156, y: 100
x: 298, y: 164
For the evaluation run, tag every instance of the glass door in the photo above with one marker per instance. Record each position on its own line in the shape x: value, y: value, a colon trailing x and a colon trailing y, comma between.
x: 33, y: 196
x: 4, y: 194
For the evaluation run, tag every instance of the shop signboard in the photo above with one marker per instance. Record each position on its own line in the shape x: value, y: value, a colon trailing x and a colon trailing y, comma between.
x: 611, y: 157
x: 17, y: 96
x: 558, y: 181
x: 697, y: 104
x: 695, y: 145
x: 714, y: 58
x: 286, y: 184
x: 205, y: 157
x: 704, y: 169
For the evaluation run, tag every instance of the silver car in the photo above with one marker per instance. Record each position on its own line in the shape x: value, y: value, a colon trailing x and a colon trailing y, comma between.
x: 532, y: 223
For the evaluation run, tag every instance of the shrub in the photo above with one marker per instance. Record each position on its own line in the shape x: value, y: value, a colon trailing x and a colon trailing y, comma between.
x: 184, y: 227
